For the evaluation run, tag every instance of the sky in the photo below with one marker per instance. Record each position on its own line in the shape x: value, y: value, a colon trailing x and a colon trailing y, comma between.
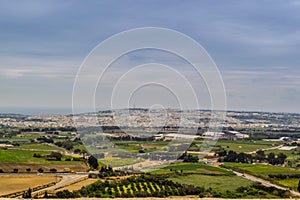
x: 255, y: 45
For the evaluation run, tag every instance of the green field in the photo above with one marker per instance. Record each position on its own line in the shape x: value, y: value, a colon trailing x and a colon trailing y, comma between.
x: 203, y: 175
x: 26, y: 156
x: 261, y: 170
x: 246, y: 145
x: 134, y: 146
x: 289, y: 183
x: 37, y: 146
x: 218, y: 183
x: 192, y: 168
x: 22, y: 156
x: 119, y: 162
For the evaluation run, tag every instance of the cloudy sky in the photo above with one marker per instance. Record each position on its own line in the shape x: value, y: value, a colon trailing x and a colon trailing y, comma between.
x: 255, y: 44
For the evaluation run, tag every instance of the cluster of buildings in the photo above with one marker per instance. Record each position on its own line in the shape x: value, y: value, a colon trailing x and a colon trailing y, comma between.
x: 227, y: 135
x: 156, y: 118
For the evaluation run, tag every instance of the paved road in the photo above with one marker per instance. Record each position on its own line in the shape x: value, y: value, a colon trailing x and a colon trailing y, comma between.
x: 264, y: 182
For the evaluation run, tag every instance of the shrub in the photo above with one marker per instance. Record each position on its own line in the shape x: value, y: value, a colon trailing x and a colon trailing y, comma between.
x: 53, y: 170
x: 37, y: 155
x: 40, y: 170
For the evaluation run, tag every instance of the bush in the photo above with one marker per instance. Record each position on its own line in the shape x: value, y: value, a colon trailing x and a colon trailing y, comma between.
x: 37, y: 155
x: 56, y: 155
x: 66, y: 194
x: 40, y: 170
x: 53, y: 170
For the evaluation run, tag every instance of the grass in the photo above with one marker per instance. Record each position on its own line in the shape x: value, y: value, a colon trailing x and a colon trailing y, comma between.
x: 25, y: 156
x: 37, y: 146
x: 11, y: 184
x: 147, y: 146
x: 246, y: 145
x: 195, y: 168
x: 119, y: 162
x: 218, y: 183
x: 261, y: 170
x: 289, y: 183
x: 264, y: 170
x: 23, y: 159
x: 203, y: 175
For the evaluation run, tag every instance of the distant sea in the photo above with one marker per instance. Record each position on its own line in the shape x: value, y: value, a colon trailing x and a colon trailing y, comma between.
x: 35, y: 111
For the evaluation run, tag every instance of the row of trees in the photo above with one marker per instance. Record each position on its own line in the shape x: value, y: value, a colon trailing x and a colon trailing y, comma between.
x: 188, y: 157
x: 40, y: 170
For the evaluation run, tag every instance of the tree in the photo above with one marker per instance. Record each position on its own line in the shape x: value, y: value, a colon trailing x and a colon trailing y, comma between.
x: 280, y: 158
x: 27, y: 194
x: 298, y: 186
x: 93, y: 162
x: 231, y: 156
x: 53, y: 170
x: 40, y: 170
x: 77, y: 151
x: 242, y: 158
x: 56, y: 155
x: 271, y: 158
x: 221, y: 153
x: 260, y: 155
x: 45, y: 195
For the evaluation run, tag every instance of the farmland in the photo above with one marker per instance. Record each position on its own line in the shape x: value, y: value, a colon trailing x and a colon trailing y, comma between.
x: 283, y: 176
x: 37, y: 146
x: 10, y: 184
x: 8, y: 167
x: 261, y: 170
x: 22, y: 156
x: 246, y: 145
x: 78, y: 185
x: 194, y: 168
x: 203, y: 175
x: 24, y: 159
x: 218, y: 183
x: 146, y: 146
x: 119, y: 162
